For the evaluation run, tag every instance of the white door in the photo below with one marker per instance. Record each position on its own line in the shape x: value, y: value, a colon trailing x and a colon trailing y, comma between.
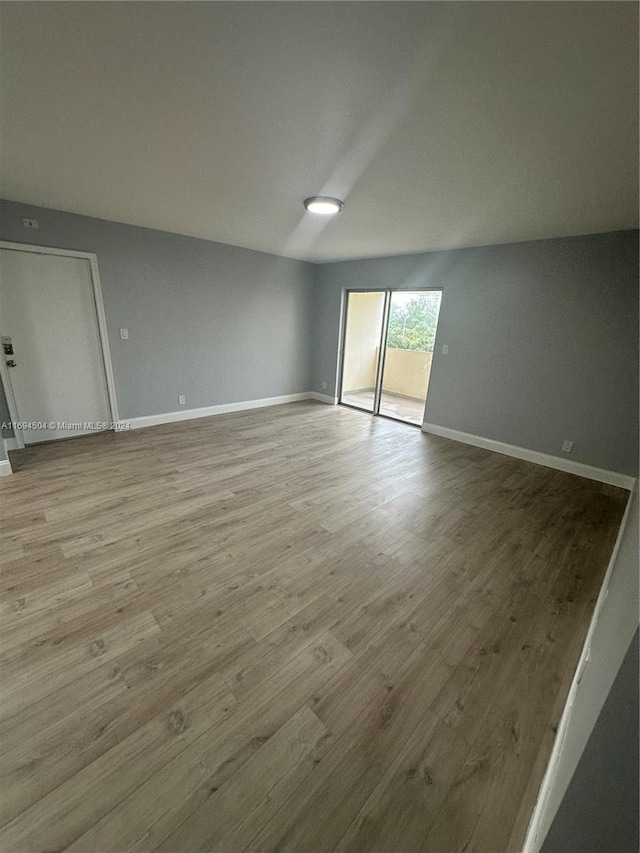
x: 47, y: 309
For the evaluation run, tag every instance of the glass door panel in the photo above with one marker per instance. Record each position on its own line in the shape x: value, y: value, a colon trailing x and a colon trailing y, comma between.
x: 411, y: 333
x: 361, y: 355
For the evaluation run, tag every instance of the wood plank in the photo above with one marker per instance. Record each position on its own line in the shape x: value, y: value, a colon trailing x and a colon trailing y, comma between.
x: 298, y: 628
x: 257, y: 791
x: 156, y: 808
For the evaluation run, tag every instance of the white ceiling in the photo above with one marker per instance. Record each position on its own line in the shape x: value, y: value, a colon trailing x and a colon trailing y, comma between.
x: 439, y: 124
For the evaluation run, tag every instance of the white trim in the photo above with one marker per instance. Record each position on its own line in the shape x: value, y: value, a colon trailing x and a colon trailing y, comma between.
x: 207, y: 411
x: 103, y: 334
x: 532, y: 841
x: 323, y: 398
x: 612, y: 478
x: 5, y: 467
x: 11, y: 403
x: 44, y: 250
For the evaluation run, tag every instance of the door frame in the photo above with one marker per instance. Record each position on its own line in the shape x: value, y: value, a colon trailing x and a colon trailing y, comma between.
x: 94, y: 272
x: 388, y: 296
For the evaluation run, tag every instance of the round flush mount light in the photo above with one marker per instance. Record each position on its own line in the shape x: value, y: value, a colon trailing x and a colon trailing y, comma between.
x: 324, y: 205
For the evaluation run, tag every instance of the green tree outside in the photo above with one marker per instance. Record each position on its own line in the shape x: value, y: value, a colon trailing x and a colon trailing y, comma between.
x: 413, y: 326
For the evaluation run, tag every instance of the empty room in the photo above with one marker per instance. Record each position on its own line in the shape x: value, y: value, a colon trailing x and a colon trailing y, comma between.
x: 319, y: 427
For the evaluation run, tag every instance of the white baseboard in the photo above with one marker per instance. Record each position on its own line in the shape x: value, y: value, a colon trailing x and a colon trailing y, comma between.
x: 5, y: 467
x: 323, y: 398
x: 207, y: 411
x: 612, y: 478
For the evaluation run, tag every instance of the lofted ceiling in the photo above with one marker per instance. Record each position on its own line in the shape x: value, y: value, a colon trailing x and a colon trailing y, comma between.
x: 439, y: 124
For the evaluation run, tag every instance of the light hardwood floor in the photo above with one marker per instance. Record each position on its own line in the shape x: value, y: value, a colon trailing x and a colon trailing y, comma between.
x: 296, y: 629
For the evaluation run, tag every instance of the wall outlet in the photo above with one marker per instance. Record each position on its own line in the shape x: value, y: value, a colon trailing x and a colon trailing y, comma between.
x: 124, y: 334
x: 567, y: 446
x: 182, y: 399
x: 30, y: 223
x: 445, y: 349
x: 324, y: 386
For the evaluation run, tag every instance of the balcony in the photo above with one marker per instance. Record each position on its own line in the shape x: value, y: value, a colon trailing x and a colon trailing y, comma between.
x: 404, y: 386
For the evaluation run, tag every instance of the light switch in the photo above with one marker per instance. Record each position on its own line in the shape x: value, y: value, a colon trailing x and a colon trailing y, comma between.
x: 445, y: 349
x: 124, y: 334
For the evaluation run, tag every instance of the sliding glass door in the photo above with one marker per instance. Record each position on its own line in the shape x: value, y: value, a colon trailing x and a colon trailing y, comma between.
x: 388, y: 342
x: 363, y: 343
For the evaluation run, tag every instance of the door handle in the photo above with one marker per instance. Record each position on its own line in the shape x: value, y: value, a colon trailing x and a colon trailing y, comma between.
x: 11, y: 363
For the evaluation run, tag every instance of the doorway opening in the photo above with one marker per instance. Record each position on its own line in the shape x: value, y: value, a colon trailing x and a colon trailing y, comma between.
x: 388, y: 341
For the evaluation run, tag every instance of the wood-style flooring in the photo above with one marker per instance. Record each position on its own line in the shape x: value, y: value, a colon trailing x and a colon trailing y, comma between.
x: 292, y: 629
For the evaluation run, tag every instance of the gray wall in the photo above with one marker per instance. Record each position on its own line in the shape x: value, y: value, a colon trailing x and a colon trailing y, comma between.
x: 543, y: 336
x: 217, y: 323
x: 599, y: 813
x: 543, y: 340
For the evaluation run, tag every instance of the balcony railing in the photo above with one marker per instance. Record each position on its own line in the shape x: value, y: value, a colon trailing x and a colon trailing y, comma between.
x: 406, y: 372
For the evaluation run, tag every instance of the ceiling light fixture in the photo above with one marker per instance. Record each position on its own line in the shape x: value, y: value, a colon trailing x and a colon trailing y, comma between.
x: 324, y: 205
